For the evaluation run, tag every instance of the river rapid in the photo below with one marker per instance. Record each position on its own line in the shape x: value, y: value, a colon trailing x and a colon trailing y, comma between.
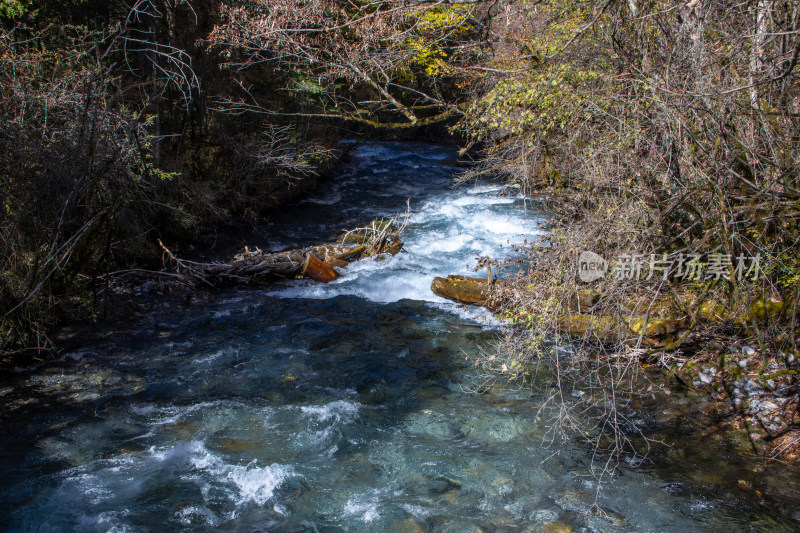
x: 349, y: 406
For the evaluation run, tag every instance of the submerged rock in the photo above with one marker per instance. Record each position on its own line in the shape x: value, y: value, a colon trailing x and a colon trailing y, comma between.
x: 556, y: 527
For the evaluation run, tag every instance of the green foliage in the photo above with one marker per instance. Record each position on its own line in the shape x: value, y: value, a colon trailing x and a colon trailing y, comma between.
x: 557, y: 96
x: 437, y: 26
x: 14, y: 9
x: 785, y: 269
x: 555, y: 92
x: 306, y: 84
x: 11, y: 10
x: 147, y: 169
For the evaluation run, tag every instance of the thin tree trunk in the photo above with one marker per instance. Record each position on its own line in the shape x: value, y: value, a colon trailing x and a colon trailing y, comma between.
x: 757, y: 51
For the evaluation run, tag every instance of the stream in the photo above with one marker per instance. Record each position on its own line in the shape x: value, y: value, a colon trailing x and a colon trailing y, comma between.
x: 349, y: 406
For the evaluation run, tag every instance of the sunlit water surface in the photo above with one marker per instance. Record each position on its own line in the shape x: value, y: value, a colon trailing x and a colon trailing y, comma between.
x: 340, y: 407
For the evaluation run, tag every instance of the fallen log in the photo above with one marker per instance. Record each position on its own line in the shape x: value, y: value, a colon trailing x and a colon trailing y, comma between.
x: 581, y: 314
x: 367, y: 233
x: 253, y: 267
x: 605, y: 328
x: 257, y: 267
x: 465, y: 290
x: 316, y: 269
x: 315, y: 262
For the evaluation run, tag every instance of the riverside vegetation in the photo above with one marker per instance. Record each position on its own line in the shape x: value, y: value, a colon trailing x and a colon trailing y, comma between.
x: 661, y: 129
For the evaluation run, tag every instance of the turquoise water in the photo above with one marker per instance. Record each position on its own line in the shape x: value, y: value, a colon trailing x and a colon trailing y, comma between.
x: 341, y: 407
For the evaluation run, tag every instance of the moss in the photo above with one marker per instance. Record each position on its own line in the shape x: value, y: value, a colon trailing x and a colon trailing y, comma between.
x: 740, y: 439
x: 656, y: 327
x: 766, y: 309
x: 784, y: 372
x: 761, y: 309
x: 713, y: 312
x: 604, y: 327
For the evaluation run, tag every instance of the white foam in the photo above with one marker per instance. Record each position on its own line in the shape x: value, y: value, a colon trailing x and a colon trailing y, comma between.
x: 451, y: 243
x: 483, y: 200
x: 483, y: 189
x: 252, y: 483
x: 365, y: 507
x: 258, y: 484
x: 478, y: 314
x: 189, y: 515
x: 493, y: 224
x: 417, y: 511
x: 444, y: 237
x: 340, y: 411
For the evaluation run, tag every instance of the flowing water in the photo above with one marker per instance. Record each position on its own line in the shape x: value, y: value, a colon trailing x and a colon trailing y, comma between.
x: 340, y: 407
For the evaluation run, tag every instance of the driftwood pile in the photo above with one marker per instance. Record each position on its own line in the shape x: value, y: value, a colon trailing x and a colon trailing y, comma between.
x: 251, y: 267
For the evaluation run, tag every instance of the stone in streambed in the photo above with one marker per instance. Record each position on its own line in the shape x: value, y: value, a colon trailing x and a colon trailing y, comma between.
x: 705, y: 378
x: 556, y: 527
x: 494, y: 428
x: 409, y: 525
